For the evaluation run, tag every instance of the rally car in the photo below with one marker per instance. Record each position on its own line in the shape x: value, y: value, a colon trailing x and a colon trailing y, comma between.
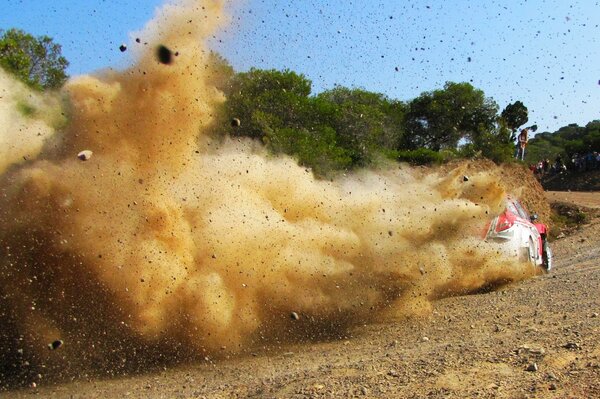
x: 521, y: 235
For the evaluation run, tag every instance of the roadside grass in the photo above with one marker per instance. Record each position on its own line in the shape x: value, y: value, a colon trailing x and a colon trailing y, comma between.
x: 567, y: 218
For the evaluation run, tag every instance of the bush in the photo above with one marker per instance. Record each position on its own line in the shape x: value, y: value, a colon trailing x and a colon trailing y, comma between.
x: 421, y: 156
x: 316, y: 149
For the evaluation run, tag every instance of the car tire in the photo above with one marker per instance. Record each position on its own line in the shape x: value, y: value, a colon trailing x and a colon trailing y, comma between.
x: 547, y: 258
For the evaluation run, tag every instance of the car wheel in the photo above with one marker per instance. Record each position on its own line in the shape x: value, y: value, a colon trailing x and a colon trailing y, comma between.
x: 547, y: 257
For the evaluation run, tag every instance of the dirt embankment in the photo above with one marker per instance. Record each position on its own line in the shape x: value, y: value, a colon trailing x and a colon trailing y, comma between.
x: 516, y: 179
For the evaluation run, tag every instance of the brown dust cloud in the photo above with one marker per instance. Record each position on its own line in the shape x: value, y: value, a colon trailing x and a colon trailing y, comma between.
x: 167, y: 245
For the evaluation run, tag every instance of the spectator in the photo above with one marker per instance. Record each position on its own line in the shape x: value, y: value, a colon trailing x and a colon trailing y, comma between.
x: 559, y: 165
x: 546, y: 165
x: 521, y: 144
x: 590, y: 161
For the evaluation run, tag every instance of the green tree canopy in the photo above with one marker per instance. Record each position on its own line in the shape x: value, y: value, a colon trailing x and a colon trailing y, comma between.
x: 219, y: 72
x: 366, y: 123
x: 441, y: 118
x: 344, y: 128
x: 36, y: 61
x: 515, y: 115
x: 566, y: 141
x: 338, y: 129
x: 268, y: 99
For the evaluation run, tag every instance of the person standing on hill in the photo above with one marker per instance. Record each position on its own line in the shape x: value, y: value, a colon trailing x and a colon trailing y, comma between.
x: 521, y: 144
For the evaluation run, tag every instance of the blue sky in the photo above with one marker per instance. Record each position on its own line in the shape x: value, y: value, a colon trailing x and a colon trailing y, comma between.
x: 545, y: 53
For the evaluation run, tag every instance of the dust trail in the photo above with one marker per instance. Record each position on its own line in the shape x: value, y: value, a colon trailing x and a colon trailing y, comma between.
x: 27, y: 118
x: 167, y: 245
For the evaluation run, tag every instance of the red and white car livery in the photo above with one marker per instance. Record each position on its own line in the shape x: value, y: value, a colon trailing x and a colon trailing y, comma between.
x: 521, y: 235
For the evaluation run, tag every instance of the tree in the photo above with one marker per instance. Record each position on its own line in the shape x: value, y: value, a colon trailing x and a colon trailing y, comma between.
x: 267, y: 99
x: 566, y: 141
x: 495, y: 143
x: 219, y: 72
x: 440, y: 119
x: 515, y: 115
x: 366, y: 123
x: 36, y: 61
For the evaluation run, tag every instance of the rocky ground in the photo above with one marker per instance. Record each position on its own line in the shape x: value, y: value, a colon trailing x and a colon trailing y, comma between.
x: 535, y: 339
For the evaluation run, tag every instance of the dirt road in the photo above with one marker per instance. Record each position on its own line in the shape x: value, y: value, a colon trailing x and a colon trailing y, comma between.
x: 535, y: 339
x: 587, y: 199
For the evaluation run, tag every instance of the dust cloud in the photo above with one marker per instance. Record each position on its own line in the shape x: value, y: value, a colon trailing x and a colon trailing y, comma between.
x: 27, y: 118
x: 167, y: 244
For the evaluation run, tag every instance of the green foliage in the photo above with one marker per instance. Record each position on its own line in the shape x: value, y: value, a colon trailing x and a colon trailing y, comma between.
x: 339, y: 129
x: 36, y: 61
x: 566, y: 141
x: 567, y: 217
x: 441, y: 118
x: 366, y: 123
x: 345, y: 128
x: 219, y: 72
x: 421, y: 156
x: 26, y: 109
x: 316, y: 149
x: 515, y: 115
x: 272, y: 99
x: 495, y: 143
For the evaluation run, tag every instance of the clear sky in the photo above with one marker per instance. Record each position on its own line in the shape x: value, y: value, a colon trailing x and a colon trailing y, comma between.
x: 545, y: 53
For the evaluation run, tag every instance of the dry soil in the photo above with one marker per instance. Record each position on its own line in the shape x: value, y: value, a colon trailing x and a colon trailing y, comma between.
x: 539, y: 338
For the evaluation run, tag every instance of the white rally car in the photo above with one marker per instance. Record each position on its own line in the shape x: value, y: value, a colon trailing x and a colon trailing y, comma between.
x: 521, y: 235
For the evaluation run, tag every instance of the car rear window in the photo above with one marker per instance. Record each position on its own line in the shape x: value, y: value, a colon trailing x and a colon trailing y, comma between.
x: 510, y: 206
x: 522, y: 212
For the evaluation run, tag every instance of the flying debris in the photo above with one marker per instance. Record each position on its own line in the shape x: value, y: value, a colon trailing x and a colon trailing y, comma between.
x: 123, y: 48
x: 85, y: 155
x: 235, y: 122
x: 164, y: 55
x: 55, y: 344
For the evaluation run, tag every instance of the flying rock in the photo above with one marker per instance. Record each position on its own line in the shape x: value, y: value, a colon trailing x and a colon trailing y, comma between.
x: 85, y: 155
x: 55, y: 345
x: 164, y: 55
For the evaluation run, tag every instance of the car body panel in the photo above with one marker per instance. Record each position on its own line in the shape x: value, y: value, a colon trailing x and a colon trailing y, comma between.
x: 518, y: 235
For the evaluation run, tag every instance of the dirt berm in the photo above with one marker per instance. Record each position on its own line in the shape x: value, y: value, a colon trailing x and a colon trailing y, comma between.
x: 516, y: 179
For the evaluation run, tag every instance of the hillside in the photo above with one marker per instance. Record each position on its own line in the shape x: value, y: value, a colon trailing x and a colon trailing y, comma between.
x: 516, y: 179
